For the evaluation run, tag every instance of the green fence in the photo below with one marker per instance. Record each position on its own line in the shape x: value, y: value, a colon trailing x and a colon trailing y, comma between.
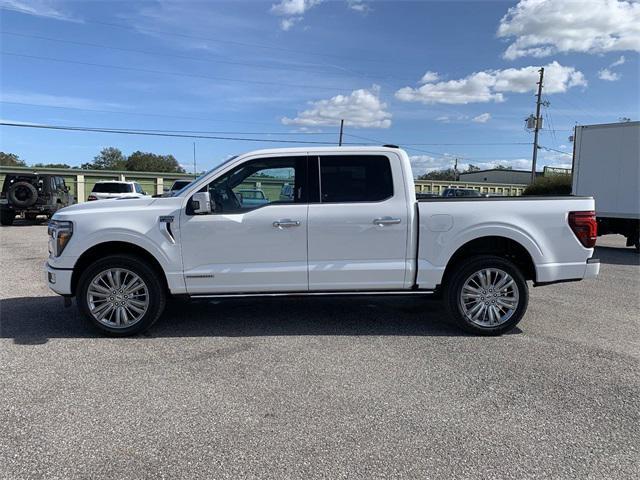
x: 80, y: 182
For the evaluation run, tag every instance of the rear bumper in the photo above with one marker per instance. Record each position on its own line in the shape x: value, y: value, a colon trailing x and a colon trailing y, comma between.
x: 593, y: 268
x: 550, y: 273
x: 59, y: 280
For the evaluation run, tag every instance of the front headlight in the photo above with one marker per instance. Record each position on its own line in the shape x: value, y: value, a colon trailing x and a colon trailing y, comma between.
x: 60, y: 232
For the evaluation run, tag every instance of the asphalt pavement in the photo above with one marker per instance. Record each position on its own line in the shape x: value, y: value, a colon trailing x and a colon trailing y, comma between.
x: 321, y: 387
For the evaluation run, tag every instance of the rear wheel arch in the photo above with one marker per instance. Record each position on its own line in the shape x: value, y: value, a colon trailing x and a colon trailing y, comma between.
x: 498, y: 246
x: 105, y: 249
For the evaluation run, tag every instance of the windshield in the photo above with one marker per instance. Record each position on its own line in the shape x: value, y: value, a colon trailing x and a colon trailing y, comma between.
x: 176, y: 193
x: 112, y: 187
x: 252, y: 194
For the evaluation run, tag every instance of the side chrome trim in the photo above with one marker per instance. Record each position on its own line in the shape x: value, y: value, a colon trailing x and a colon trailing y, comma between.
x: 316, y: 294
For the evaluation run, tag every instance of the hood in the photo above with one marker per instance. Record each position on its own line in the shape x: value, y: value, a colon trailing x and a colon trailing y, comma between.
x: 116, y: 205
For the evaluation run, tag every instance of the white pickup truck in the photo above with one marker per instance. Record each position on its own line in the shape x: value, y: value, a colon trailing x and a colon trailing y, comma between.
x: 350, y: 225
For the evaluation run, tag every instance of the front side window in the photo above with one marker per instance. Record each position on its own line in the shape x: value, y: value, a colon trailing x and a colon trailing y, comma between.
x: 355, y: 178
x: 257, y: 183
x: 138, y: 188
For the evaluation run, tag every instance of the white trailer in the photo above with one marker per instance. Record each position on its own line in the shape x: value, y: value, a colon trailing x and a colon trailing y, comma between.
x: 606, y: 166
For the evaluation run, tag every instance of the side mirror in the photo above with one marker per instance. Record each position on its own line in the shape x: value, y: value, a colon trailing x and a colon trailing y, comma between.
x: 201, y: 203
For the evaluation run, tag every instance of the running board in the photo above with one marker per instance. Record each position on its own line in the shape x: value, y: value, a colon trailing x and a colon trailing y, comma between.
x: 315, y: 294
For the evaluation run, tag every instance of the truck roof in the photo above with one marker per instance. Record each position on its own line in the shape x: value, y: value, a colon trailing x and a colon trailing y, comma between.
x: 311, y: 148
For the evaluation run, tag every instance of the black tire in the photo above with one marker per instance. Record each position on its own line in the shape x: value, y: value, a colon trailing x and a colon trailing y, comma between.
x: 22, y: 194
x: 155, y: 289
x: 7, y: 217
x: 466, y: 269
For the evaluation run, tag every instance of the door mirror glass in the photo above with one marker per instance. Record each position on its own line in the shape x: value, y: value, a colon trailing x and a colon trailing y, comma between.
x: 201, y: 203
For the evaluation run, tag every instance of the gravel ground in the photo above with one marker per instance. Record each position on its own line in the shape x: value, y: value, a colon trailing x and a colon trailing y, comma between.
x: 320, y: 388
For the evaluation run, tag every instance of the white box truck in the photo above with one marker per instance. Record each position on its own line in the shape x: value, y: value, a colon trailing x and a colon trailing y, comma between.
x: 606, y: 166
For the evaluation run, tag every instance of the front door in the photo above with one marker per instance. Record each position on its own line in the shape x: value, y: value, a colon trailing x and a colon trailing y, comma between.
x: 256, y: 238
x: 359, y: 228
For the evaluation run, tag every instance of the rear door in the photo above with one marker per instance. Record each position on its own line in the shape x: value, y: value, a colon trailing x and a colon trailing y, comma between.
x: 358, y: 226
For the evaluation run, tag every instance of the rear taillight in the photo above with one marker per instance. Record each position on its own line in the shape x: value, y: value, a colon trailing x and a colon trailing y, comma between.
x: 91, y: 197
x: 585, y: 227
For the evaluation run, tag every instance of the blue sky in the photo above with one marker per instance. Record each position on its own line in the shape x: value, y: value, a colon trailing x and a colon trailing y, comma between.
x: 444, y: 78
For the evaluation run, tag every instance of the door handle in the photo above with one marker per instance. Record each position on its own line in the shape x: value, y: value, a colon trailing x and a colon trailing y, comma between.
x: 382, y: 221
x: 286, y: 223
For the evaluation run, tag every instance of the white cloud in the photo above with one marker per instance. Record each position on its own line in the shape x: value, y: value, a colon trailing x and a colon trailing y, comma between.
x: 292, y: 11
x: 608, y: 75
x: 359, y: 6
x: 430, y: 77
x: 618, y: 62
x: 293, y: 7
x: 482, y: 118
x: 287, y: 23
x: 421, y: 164
x: 38, y: 8
x: 540, y: 28
x: 490, y: 85
x: 56, y: 100
x: 361, y: 109
x: 452, y: 118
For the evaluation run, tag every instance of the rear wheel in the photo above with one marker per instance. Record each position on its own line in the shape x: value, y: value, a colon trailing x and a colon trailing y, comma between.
x: 487, y: 295
x: 7, y: 217
x: 120, y: 295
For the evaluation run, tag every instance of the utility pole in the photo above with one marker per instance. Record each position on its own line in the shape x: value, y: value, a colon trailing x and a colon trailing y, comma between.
x: 536, y: 128
x: 195, y: 171
x: 341, y: 130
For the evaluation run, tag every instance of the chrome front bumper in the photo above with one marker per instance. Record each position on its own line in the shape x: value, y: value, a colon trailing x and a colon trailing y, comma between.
x: 58, y: 280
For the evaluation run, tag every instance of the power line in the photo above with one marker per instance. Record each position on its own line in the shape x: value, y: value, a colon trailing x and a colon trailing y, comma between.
x: 164, y: 72
x: 289, y: 67
x: 173, y: 134
x: 470, y: 144
x: 555, y: 150
x: 157, y: 134
x: 139, y: 29
x: 120, y: 112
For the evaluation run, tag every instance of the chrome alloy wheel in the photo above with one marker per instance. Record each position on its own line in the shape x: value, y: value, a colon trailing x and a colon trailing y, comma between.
x: 117, y: 298
x: 489, y: 297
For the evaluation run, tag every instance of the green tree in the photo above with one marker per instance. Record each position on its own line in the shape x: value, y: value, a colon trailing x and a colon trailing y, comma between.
x: 447, y: 174
x: 11, y: 160
x: 151, y: 162
x: 472, y: 168
x: 51, y: 165
x: 502, y: 167
x: 110, y: 158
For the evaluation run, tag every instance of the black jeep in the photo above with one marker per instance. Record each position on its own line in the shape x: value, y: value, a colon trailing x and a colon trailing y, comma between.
x: 32, y: 194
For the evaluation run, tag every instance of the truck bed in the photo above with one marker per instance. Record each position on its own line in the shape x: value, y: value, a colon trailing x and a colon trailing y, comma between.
x: 537, y: 223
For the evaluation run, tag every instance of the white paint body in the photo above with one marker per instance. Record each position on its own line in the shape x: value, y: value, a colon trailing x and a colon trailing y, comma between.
x: 131, y: 186
x: 336, y: 247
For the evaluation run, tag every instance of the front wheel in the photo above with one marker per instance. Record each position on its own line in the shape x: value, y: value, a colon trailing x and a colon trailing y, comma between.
x: 120, y: 295
x: 487, y: 295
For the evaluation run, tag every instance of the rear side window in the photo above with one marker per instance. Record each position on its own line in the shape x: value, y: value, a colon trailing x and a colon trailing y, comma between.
x: 355, y: 178
x: 111, y: 187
